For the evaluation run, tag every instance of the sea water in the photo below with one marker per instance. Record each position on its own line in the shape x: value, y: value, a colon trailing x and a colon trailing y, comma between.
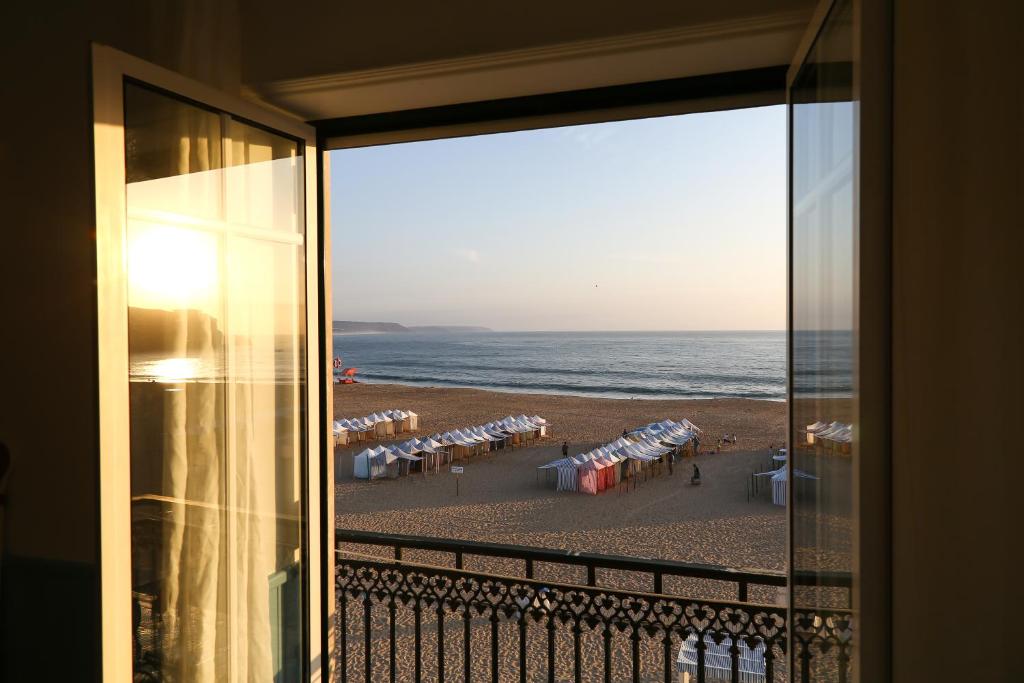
x: 607, y: 364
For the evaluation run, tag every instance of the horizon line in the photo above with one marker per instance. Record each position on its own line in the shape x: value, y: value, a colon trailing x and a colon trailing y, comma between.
x: 490, y: 329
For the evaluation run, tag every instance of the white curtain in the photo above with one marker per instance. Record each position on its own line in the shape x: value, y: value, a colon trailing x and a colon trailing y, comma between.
x: 228, y: 323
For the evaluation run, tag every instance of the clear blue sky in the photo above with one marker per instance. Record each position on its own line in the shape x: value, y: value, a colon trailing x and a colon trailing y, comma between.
x: 674, y: 223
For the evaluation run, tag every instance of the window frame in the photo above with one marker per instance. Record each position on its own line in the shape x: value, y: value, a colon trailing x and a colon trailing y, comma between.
x: 872, y: 351
x: 111, y: 69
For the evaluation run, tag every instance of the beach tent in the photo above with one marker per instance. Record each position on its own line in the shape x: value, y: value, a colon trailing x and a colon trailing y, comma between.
x: 434, y: 444
x: 382, y: 426
x: 834, y: 436
x: 813, y: 429
x: 565, y: 469
x: 406, y: 457
x: 369, y: 430
x: 589, y: 479
x: 532, y: 427
x: 401, y: 420
x: 340, y: 434
x: 501, y: 437
x: 361, y: 464
x: 542, y: 423
x: 780, y: 482
x: 434, y: 452
x: 374, y: 463
x: 414, y: 421
x: 718, y: 659
x: 607, y: 472
x: 493, y: 442
x: 617, y: 467
x: 568, y: 477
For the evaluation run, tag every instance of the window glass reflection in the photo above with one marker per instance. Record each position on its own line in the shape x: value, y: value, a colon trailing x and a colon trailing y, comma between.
x: 215, y: 266
x: 823, y: 233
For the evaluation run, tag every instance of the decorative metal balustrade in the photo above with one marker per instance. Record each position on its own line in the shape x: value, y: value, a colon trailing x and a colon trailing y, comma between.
x: 404, y: 620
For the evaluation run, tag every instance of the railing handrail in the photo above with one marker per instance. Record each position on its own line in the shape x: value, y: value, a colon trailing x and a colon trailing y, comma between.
x: 763, y: 577
x: 369, y: 591
x: 622, y: 593
x: 374, y: 590
x: 595, y: 560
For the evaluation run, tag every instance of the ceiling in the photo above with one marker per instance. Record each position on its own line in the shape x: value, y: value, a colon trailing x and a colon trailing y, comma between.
x: 330, y: 59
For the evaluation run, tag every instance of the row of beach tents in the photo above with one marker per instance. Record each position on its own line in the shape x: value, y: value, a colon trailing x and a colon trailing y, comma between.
x: 833, y: 435
x: 627, y: 457
x: 430, y: 453
x: 375, y: 426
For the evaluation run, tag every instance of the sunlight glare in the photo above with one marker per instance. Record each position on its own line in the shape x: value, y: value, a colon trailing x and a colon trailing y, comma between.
x: 170, y: 267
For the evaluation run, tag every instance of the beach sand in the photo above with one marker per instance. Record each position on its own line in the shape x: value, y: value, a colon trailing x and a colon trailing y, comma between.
x: 756, y: 424
x: 503, y: 498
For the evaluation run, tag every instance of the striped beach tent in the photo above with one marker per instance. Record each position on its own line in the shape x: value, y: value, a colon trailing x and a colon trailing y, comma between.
x: 718, y: 660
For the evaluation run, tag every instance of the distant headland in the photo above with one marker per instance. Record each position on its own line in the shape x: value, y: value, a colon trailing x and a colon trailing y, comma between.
x: 357, y: 327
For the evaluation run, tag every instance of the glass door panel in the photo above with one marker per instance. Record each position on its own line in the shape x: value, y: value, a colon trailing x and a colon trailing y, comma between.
x: 823, y: 233
x: 216, y: 272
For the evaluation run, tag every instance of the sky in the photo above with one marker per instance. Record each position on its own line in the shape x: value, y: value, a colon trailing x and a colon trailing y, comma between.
x: 671, y: 223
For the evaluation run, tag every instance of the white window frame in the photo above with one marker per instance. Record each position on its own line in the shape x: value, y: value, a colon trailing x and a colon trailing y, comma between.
x: 110, y: 68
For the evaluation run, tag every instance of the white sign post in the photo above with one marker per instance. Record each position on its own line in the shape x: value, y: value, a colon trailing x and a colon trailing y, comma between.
x: 457, y: 470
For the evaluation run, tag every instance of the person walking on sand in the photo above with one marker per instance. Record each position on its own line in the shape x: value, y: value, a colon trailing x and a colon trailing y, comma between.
x: 565, y: 449
x: 695, y: 479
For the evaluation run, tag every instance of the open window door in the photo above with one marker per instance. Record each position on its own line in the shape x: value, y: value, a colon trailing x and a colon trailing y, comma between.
x: 839, y: 100
x: 211, y: 390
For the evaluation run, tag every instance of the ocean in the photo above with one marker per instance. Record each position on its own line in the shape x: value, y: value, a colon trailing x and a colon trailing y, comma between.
x: 664, y: 365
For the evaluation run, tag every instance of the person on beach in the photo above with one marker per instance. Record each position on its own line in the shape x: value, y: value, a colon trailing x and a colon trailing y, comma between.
x: 565, y: 449
x: 695, y: 479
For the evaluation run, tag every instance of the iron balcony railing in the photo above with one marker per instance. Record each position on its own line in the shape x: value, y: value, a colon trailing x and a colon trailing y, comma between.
x: 429, y: 618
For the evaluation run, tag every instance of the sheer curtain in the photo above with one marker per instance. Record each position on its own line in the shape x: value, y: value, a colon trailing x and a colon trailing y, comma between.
x: 216, y: 319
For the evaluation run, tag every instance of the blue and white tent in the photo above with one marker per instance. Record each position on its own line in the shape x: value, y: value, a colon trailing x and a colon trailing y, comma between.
x: 718, y: 659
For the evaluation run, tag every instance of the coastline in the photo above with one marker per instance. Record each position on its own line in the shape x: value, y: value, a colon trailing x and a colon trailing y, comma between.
x: 756, y: 423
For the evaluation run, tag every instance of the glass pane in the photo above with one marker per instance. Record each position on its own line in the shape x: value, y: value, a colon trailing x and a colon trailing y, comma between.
x: 822, y: 337
x: 217, y: 325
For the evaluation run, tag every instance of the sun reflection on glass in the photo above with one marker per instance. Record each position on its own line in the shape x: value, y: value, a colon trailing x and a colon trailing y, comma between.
x: 173, y: 370
x: 171, y: 268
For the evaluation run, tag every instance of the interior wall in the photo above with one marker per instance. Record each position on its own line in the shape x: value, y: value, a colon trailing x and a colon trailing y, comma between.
x: 958, y: 338
x: 49, y: 595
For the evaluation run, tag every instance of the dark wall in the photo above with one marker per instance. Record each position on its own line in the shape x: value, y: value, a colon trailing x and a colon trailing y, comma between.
x: 49, y: 593
x: 958, y: 338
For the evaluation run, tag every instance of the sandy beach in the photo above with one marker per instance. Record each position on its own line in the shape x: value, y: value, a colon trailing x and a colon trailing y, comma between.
x: 503, y: 498
x: 756, y: 424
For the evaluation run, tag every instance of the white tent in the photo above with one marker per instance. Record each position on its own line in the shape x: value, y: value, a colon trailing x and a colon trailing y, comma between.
x: 718, y: 659
x: 361, y: 464
x: 780, y: 483
x: 340, y: 434
x: 374, y: 463
x: 400, y: 419
x: 544, y: 424
x: 383, y: 425
x: 837, y: 432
